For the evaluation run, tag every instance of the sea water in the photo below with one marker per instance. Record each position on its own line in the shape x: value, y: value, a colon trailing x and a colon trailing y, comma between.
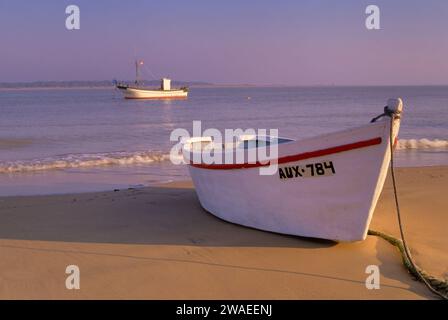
x: 90, y: 139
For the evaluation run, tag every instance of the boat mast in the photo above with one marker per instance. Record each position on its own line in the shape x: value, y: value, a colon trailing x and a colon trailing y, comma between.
x: 137, y: 75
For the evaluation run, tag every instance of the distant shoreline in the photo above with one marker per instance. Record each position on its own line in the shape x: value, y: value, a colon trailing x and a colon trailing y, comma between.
x: 85, y: 85
x: 79, y: 84
x: 37, y: 88
x: 54, y: 88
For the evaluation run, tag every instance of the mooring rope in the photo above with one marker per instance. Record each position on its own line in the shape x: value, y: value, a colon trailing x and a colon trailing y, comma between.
x: 434, y: 284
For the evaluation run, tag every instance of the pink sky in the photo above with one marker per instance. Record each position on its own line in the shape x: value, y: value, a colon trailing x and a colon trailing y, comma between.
x: 262, y: 42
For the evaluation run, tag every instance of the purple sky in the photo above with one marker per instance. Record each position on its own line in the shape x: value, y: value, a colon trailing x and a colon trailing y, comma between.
x: 258, y: 42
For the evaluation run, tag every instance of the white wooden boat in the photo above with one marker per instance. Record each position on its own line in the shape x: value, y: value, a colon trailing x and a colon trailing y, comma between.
x: 130, y: 92
x: 138, y: 92
x: 325, y: 187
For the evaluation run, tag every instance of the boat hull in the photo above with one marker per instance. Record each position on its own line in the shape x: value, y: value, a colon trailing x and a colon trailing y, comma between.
x: 136, y: 93
x: 336, y: 205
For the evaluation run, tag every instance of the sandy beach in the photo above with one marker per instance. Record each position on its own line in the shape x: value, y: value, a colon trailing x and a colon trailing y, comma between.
x: 157, y: 243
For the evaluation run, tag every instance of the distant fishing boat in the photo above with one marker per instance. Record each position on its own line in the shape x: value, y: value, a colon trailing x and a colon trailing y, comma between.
x: 325, y: 187
x: 137, y: 91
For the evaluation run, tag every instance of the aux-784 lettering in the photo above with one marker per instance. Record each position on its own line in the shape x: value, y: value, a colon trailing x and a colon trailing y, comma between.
x: 324, y: 168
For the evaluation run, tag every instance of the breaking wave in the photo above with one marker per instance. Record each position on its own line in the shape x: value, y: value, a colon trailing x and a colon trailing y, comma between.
x: 146, y: 157
x: 404, y: 144
x: 83, y: 161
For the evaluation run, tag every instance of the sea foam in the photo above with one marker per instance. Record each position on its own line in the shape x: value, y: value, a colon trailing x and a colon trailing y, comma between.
x: 73, y: 161
x: 404, y: 144
x: 83, y: 161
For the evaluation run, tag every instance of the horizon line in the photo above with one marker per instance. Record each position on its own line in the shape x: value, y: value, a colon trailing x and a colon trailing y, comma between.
x: 207, y: 83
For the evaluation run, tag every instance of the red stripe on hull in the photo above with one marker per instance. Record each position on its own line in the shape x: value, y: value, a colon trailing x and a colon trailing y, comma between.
x: 294, y: 158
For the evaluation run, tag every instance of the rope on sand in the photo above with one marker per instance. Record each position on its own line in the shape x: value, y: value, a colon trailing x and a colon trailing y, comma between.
x: 435, y: 285
x: 440, y: 285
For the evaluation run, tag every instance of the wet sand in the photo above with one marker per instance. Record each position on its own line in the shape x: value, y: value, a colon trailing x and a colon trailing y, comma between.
x: 158, y: 243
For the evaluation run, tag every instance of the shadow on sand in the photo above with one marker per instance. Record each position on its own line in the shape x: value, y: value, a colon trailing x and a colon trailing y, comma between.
x: 153, y: 215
